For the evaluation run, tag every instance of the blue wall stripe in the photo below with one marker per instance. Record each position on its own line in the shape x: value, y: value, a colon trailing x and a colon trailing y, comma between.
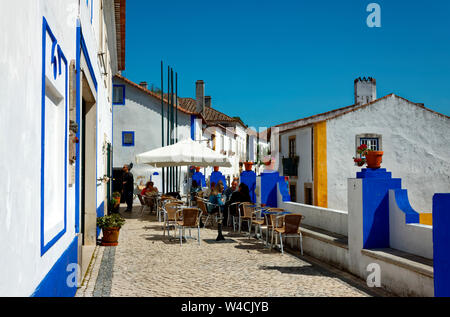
x: 54, y: 283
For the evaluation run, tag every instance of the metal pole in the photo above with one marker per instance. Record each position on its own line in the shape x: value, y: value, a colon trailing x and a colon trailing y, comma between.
x: 172, y: 126
x: 168, y: 123
x: 176, y: 125
x: 162, y: 121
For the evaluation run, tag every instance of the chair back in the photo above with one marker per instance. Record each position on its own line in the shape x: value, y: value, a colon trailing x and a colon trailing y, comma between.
x: 201, y: 204
x: 248, y: 209
x: 172, y: 211
x: 141, y: 199
x: 190, y: 217
x: 276, y: 221
x: 292, y: 223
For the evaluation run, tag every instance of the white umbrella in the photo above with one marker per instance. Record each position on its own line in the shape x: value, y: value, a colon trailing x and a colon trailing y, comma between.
x: 183, y: 153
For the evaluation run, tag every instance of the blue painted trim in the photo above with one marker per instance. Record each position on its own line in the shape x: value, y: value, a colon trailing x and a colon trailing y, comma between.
x: 193, y: 127
x: 269, y: 183
x: 249, y: 179
x: 100, y: 213
x: 441, y: 242
x: 121, y: 103
x: 47, y: 30
x: 54, y: 284
x: 123, y: 138
x: 81, y: 47
x: 401, y: 197
x: 375, y: 191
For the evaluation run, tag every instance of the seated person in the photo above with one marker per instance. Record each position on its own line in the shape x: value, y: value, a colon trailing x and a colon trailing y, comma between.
x: 149, y: 189
x: 195, y: 188
x: 148, y: 192
x: 208, y: 191
x: 216, y: 199
x: 230, y: 190
x: 240, y: 196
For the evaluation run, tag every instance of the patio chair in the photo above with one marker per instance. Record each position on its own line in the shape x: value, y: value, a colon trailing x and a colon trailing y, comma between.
x: 246, y: 213
x: 267, y: 225
x: 290, y: 229
x: 163, y: 201
x: 142, y: 201
x: 190, y: 218
x: 171, y: 215
x: 202, y: 205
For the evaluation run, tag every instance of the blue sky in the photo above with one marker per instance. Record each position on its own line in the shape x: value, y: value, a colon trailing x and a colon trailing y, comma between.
x: 271, y: 62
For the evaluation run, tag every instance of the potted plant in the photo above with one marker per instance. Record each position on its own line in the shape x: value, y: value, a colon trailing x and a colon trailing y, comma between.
x: 373, y: 159
x: 248, y: 166
x: 115, y: 202
x: 216, y: 168
x: 197, y: 169
x: 110, y: 226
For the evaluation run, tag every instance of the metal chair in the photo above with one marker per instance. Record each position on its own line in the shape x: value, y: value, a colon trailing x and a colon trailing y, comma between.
x: 290, y: 229
x: 190, y: 218
x: 248, y: 210
x: 171, y: 215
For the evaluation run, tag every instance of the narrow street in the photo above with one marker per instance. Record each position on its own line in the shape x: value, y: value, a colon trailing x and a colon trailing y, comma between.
x: 145, y: 264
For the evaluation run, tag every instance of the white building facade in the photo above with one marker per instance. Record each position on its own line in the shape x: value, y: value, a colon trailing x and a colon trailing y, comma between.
x: 318, y: 151
x: 57, y: 59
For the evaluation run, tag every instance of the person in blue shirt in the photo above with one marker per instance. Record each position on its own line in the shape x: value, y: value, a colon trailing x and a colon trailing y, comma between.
x: 217, y: 199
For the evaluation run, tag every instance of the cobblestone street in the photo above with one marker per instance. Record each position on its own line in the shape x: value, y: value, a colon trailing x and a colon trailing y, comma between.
x: 145, y: 264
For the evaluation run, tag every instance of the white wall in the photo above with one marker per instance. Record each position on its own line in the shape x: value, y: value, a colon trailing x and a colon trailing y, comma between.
x: 413, y: 140
x: 304, y: 151
x: 322, y: 218
x: 22, y: 267
x: 142, y: 114
x: 412, y: 238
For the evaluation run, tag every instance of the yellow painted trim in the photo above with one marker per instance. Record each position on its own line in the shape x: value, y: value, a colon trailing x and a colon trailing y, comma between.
x: 426, y: 219
x: 320, y: 165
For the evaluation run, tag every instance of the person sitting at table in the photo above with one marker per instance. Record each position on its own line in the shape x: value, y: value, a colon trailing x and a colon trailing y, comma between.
x: 209, y: 190
x: 242, y: 195
x: 230, y: 190
x: 195, y: 188
x: 216, y: 199
x: 150, y: 191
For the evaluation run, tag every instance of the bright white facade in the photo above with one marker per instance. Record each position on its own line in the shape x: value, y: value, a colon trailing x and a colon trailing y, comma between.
x: 56, y: 61
x: 140, y: 116
x: 414, y: 140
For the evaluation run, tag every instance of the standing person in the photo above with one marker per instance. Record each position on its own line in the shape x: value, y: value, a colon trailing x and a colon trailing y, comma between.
x: 128, y: 187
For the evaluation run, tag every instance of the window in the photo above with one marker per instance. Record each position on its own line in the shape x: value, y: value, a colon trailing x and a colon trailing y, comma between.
x: 127, y: 138
x: 308, y: 194
x: 292, y: 146
x: 119, y: 95
x: 373, y: 141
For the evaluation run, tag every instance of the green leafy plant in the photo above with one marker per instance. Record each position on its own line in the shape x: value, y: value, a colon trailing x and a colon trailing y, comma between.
x: 112, y: 221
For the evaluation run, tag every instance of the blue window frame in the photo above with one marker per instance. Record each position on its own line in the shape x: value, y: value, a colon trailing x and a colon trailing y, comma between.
x: 128, y: 138
x: 119, y: 95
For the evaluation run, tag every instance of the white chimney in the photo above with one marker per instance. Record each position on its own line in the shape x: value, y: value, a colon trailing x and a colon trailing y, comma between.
x: 200, y: 95
x: 365, y: 90
x: 144, y: 84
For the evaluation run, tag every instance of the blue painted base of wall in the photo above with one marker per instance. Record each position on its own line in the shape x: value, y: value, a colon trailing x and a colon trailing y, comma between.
x: 376, y: 186
x: 199, y: 178
x: 269, y: 183
x: 55, y: 282
x: 249, y: 179
x: 216, y: 177
x: 441, y: 244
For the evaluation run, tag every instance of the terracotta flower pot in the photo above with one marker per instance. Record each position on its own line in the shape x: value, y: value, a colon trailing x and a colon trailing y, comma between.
x: 110, y: 237
x: 197, y: 169
x: 216, y: 168
x: 374, y: 159
x: 248, y: 166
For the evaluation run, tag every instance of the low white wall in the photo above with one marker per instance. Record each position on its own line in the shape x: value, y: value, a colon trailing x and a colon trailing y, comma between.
x: 412, y: 238
x: 322, y: 218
